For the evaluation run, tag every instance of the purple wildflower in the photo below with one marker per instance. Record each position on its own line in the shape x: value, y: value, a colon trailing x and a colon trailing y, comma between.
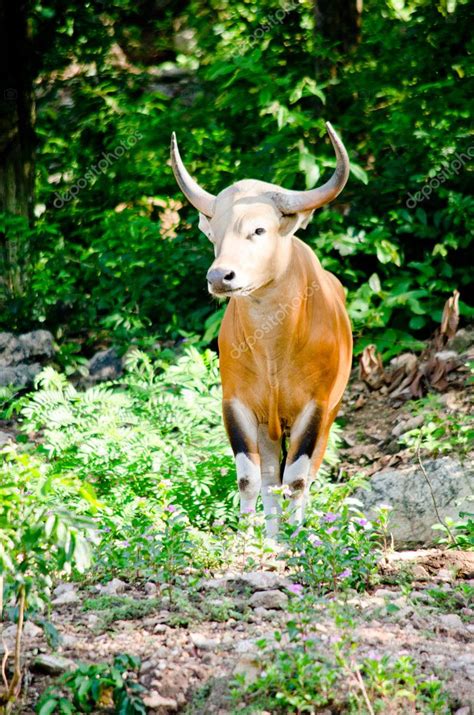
x: 171, y: 508
x: 361, y: 522
x: 345, y: 574
x: 330, y: 516
x: 314, y: 541
x: 296, y: 588
x: 124, y: 543
x: 331, y: 530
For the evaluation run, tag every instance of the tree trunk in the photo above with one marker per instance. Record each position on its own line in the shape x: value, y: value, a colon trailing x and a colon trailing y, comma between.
x: 339, y: 21
x: 16, y: 110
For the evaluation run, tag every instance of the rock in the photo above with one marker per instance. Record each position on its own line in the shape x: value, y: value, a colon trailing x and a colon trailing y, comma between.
x: 451, y: 621
x: 16, y: 351
x: 264, y: 613
x: 407, y: 492
x: 38, y: 343
x: 202, y: 642
x: 259, y: 581
x: 53, y: 664
x: 69, y: 641
x: 155, y: 700
x: 66, y: 597
x: 462, y: 341
x: 407, y: 425
x: 269, y: 599
x: 112, y: 588
x: 419, y: 573
x: 63, y: 588
x: 386, y: 593
x: 5, y: 437
x: 19, y: 376
x: 150, y: 588
x: 105, y: 365
x: 30, y: 630
x: 11, y: 352
x: 466, y: 710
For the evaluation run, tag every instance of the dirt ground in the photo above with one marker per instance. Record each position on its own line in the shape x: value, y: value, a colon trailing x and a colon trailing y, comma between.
x: 178, y: 660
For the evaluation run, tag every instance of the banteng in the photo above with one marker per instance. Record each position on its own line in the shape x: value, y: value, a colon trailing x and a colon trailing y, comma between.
x: 285, y: 344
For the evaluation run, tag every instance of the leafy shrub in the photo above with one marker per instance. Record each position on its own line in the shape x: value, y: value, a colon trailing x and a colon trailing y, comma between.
x: 337, y: 547
x: 92, y: 687
x: 40, y: 538
x: 301, y: 671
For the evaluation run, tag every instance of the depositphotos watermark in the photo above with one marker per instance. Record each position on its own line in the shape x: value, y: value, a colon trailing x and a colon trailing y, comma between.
x: 454, y: 167
x: 94, y: 170
x: 270, y: 21
x: 271, y: 321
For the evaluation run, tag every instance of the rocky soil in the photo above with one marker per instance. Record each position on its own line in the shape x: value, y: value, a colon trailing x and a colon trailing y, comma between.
x: 181, y: 661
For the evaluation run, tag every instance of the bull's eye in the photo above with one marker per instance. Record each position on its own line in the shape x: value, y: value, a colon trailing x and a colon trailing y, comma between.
x: 259, y: 231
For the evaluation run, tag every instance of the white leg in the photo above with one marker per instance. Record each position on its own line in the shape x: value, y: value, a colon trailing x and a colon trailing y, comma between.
x: 248, y: 479
x: 269, y: 451
x: 304, y: 438
x: 241, y: 426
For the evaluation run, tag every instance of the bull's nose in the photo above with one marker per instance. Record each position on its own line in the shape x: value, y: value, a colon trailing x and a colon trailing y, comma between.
x: 220, y: 279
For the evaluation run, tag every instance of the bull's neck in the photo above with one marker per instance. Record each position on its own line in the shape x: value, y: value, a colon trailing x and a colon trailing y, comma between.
x: 274, y: 313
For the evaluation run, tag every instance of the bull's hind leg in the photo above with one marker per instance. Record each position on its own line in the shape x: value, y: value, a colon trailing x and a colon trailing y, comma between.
x: 241, y: 426
x: 308, y: 440
x: 269, y: 451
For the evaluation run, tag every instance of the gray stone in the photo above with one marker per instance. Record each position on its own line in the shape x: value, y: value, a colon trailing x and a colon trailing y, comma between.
x: 16, y: 349
x: 259, y: 581
x: 53, y: 664
x: 63, y: 587
x: 65, y: 598
x: 407, y: 425
x: 38, y: 343
x: 150, y: 588
x: 451, y: 621
x: 105, y: 365
x: 408, y: 493
x: 112, y: 588
x: 462, y: 341
x: 30, y: 630
x: 11, y: 351
x: 5, y: 437
x: 19, y: 376
x: 154, y: 700
x: 269, y: 599
x: 202, y: 642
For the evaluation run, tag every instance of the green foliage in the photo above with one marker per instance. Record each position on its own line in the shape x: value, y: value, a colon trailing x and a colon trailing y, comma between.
x: 106, y: 250
x: 457, y: 534
x: 42, y: 535
x: 442, y: 431
x: 92, y: 687
x: 334, y: 550
x: 460, y: 598
x: 301, y: 671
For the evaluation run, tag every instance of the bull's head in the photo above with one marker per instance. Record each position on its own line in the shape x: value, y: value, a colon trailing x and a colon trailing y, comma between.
x: 250, y: 223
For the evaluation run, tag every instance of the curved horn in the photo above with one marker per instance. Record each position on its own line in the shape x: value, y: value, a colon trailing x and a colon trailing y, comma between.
x: 290, y: 202
x: 198, y: 197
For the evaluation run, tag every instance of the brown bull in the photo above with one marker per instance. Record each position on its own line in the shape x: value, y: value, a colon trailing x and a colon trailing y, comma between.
x: 285, y: 343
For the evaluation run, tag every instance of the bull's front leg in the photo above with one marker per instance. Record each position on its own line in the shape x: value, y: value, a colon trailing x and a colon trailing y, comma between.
x: 242, y: 428
x: 308, y: 439
x: 269, y: 451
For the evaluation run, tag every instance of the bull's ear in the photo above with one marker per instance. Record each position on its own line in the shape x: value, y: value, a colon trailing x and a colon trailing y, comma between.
x: 291, y: 223
x: 205, y: 227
